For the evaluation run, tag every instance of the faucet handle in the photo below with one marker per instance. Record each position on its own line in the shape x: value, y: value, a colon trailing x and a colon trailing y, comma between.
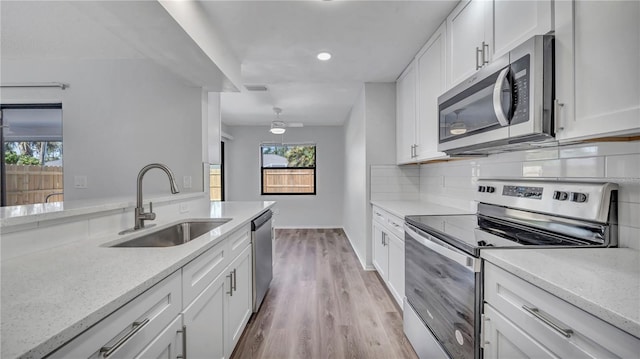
x: 151, y: 216
x: 150, y: 207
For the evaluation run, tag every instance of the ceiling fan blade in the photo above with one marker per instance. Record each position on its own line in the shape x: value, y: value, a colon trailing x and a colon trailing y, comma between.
x: 295, y: 124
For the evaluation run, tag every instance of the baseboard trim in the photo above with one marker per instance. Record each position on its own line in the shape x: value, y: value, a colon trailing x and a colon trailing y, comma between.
x: 308, y: 227
x: 353, y: 248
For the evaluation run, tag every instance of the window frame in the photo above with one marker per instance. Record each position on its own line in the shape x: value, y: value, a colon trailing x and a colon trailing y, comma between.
x: 314, y: 168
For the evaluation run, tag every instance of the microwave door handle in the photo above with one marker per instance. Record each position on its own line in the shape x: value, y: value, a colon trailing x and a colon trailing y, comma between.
x: 497, y: 98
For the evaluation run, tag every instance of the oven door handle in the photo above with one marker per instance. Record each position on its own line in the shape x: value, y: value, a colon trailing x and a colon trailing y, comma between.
x: 468, y: 262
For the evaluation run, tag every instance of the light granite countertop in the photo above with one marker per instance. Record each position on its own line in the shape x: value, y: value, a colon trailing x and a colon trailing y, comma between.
x: 408, y: 208
x: 51, y: 296
x: 603, y: 282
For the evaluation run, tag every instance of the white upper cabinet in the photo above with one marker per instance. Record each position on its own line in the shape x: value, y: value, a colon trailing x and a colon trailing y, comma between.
x: 469, y: 34
x: 514, y: 22
x: 480, y: 30
x: 406, y: 115
x: 597, y: 69
x: 417, y: 94
x: 431, y: 65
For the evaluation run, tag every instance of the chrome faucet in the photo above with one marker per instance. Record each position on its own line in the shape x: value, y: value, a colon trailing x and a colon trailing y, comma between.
x: 141, y: 216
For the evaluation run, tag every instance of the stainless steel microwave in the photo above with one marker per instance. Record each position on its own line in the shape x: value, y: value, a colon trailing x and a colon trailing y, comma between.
x: 506, y: 105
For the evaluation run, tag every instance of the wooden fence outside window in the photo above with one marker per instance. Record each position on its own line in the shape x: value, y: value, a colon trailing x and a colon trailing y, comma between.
x: 288, y: 180
x: 32, y: 184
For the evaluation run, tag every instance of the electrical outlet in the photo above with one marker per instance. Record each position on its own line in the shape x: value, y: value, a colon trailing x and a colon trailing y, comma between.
x: 80, y: 182
x: 184, y: 207
x: 186, y: 181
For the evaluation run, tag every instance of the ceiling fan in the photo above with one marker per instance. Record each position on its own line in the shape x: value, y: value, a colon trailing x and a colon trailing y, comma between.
x: 278, y: 126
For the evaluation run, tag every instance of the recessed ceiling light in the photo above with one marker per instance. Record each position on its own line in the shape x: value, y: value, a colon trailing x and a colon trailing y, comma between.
x: 324, y: 56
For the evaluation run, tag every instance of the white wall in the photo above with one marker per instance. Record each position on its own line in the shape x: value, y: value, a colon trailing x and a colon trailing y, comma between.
x: 369, y: 140
x: 454, y: 183
x: 118, y: 115
x: 242, y: 166
x: 355, y: 179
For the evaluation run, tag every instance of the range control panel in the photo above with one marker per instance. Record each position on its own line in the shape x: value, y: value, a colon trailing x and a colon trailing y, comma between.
x: 585, y: 200
x: 522, y: 191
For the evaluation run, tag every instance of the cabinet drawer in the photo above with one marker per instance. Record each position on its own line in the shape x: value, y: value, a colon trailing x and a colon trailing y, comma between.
x: 129, y: 329
x: 238, y: 240
x: 537, y: 312
x: 393, y: 224
x: 200, y: 272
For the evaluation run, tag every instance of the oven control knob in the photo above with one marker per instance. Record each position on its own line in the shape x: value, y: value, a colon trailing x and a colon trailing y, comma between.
x: 560, y: 196
x: 491, y: 189
x: 482, y: 189
x: 578, y: 197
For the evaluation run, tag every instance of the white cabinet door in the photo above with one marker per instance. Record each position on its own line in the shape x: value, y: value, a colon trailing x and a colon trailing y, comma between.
x: 514, y: 22
x: 380, y: 251
x: 204, y: 320
x: 504, y: 340
x: 597, y: 68
x: 130, y: 329
x: 396, y: 268
x: 240, y: 299
x: 167, y: 345
x: 468, y: 28
x: 431, y: 64
x: 406, y: 115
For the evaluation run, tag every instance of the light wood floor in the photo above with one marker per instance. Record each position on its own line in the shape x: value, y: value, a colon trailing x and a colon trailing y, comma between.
x: 321, y: 304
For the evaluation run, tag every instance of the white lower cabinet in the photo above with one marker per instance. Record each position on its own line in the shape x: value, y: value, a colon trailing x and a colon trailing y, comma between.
x: 199, y: 311
x: 388, y: 251
x: 239, y: 304
x: 395, y: 281
x: 204, y: 321
x: 129, y: 330
x: 215, y: 320
x: 521, y: 320
x: 167, y: 345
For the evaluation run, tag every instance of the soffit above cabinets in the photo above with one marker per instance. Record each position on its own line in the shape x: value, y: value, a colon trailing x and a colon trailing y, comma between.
x: 110, y: 30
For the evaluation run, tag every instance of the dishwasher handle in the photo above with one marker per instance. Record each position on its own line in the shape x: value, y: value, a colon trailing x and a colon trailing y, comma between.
x: 260, y: 220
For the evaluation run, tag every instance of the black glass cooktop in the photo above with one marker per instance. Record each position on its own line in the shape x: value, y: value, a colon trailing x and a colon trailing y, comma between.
x: 472, y: 232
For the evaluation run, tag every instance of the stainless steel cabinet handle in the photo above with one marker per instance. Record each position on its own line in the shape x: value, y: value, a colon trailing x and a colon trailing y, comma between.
x: 135, y: 327
x: 184, y: 343
x: 557, y: 106
x: 536, y: 313
x: 478, y: 52
x: 235, y: 276
x: 485, y: 46
x: 230, y: 276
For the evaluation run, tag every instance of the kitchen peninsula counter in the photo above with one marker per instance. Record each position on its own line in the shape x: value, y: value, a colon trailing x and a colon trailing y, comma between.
x: 51, y: 296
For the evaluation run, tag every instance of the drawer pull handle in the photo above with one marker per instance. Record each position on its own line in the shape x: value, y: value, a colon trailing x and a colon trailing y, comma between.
x: 230, y: 276
x: 135, y: 327
x: 536, y: 313
x: 235, y: 276
x: 184, y: 343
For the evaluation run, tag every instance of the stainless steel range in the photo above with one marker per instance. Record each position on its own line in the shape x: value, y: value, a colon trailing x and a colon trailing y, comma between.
x: 443, y: 279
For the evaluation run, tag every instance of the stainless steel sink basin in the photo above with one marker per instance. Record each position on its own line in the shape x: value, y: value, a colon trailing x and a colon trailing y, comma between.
x: 175, y: 235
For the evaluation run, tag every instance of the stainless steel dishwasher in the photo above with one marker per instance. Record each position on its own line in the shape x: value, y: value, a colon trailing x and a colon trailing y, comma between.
x: 261, y: 242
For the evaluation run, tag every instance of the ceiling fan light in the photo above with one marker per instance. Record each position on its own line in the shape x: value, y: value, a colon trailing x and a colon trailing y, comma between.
x: 324, y: 56
x: 277, y: 130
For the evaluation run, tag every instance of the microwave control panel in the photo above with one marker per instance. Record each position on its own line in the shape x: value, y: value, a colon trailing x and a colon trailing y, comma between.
x: 520, y: 73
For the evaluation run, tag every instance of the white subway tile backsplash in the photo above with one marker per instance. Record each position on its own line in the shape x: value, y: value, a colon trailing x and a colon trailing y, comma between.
x: 549, y: 168
x: 629, y: 189
x: 628, y: 214
x: 500, y: 169
x: 629, y: 237
x: 583, y: 167
x: 625, y: 166
x: 600, y: 149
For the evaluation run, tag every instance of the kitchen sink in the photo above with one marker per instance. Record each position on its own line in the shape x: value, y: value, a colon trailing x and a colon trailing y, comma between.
x: 175, y: 235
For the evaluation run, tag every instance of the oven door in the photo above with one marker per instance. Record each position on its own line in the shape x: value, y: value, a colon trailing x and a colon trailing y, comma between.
x: 443, y: 285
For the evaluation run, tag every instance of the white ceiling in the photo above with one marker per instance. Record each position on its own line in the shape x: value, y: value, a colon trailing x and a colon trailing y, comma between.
x: 277, y: 43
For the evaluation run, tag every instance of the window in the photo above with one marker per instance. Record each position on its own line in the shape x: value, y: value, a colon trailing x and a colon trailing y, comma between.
x: 288, y: 169
x: 216, y: 178
x: 31, y: 156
